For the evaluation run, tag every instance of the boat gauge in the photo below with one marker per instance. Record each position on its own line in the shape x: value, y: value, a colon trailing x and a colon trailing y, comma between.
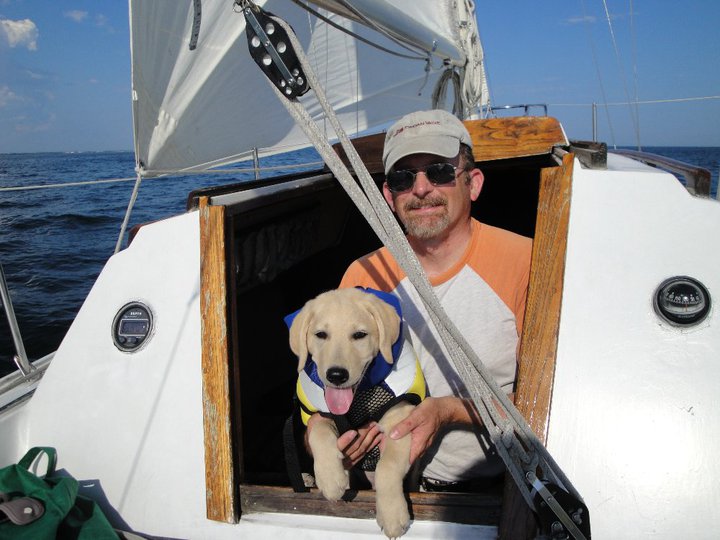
x: 132, y: 326
x: 682, y: 301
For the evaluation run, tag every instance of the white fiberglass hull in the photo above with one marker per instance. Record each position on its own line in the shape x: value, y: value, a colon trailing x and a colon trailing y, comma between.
x: 636, y: 409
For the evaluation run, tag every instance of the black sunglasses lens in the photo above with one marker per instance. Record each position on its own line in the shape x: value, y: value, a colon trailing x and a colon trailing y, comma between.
x: 440, y: 173
x: 437, y: 173
x: 400, y: 180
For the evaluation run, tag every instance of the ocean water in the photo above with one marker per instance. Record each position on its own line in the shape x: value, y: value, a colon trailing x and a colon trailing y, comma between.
x: 54, y: 242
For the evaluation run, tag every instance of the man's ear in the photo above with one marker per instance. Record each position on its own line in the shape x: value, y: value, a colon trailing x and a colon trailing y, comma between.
x: 388, y: 196
x: 477, y: 179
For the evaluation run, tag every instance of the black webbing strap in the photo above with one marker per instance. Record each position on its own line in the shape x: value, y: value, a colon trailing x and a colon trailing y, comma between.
x: 293, y: 447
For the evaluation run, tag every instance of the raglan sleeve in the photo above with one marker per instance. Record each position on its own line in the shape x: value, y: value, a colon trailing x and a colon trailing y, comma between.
x: 378, y: 270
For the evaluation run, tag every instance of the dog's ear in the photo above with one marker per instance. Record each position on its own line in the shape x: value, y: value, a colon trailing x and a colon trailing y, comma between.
x: 388, y: 323
x: 298, y: 334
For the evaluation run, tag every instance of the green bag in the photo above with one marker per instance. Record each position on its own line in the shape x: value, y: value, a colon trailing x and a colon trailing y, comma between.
x: 47, y: 508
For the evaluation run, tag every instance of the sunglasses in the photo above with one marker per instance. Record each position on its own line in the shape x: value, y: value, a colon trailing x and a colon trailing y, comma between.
x: 439, y: 174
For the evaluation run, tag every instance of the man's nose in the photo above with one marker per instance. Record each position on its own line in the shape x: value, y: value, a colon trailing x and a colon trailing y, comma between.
x: 422, y: 185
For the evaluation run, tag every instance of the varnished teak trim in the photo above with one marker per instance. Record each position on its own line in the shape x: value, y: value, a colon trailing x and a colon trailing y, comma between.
x: 467, y: 508
x: 538, y: 349
x: 221, y: 499
x: 519, y: 136
x: 493, y: 138
x: 542, y: 314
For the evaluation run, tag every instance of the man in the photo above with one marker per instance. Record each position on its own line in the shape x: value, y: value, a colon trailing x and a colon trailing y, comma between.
x: 479, y: 273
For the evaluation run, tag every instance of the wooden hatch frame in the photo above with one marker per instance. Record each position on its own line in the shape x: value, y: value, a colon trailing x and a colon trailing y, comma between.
x: 498, y: 138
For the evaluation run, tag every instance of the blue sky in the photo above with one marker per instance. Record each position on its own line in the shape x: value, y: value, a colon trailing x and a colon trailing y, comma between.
x: 65, y: 69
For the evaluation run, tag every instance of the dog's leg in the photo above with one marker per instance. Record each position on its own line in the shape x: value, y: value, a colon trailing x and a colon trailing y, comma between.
x: 330, y: 475
x: 390, y: 505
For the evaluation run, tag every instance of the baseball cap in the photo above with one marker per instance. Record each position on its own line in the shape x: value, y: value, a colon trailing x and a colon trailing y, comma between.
x: 424, y: 132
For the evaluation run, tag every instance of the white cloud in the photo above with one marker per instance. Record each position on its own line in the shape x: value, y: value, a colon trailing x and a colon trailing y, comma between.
x: 76, y: 15
x: 34, y: 76
x: 100, y: 20
x: 22, y: 33
x: 6, y: 95
x: 579, y: 20
x: 28, y: 126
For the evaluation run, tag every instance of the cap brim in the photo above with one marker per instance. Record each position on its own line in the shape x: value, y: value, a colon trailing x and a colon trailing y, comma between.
x: 445, y: 146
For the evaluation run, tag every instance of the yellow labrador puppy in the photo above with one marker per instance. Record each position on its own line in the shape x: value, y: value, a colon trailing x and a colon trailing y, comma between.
x: 350, y: 345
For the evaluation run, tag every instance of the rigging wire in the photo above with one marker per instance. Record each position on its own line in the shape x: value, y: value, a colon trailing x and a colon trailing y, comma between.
x: 599, y: 75
x: 639, y: 102
x: 128, y: 212
x: 67, y: 184
x: 164, y: 174
x: 622, y: 72
x: 633, y: 42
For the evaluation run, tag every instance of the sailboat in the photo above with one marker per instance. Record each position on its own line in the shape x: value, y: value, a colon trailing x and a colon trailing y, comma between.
x: 168, y: 396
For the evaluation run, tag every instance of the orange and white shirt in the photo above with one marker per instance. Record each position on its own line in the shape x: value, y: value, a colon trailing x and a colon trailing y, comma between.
x: 484, y: 294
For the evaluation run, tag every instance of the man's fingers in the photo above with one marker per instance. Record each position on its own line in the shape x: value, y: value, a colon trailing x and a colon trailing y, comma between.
x: 356, y: 443
x: 415, y: 452
x: 402, y: 428
x: 346, y: 439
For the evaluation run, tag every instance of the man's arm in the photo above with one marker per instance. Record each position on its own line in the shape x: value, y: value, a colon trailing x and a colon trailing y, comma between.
x: 425, y: 421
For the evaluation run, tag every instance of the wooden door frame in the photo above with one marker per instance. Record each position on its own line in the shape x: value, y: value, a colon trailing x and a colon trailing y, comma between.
x: 538, y: 348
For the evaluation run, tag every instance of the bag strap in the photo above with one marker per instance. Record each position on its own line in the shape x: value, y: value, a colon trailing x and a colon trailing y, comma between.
x: 34, y: 452
x: 293, y: 436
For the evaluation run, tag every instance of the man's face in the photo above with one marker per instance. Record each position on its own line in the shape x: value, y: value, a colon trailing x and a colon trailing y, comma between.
x: 429, y: 211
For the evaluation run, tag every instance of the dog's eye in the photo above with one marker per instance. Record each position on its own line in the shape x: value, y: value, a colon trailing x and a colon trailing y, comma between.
x: 359, y: 335
x: 321, y: 335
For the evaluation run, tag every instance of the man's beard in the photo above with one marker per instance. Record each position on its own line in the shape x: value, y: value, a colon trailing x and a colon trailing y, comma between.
x: 425, y: 227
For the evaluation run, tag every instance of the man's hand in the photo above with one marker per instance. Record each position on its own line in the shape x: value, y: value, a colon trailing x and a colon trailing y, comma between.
x: 353, y: 444
x: 425, y: 421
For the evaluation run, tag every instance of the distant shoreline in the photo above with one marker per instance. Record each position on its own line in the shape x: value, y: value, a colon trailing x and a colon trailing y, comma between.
x: 66, y: 152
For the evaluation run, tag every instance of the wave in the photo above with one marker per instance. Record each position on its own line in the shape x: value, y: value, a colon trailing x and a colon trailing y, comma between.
x: 63, y: 220
x: 19, y: 203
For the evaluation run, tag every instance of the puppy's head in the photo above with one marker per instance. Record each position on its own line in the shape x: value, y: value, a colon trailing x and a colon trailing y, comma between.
x: 343, y: 330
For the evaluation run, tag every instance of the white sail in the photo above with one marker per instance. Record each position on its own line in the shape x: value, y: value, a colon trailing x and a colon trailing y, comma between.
x: 194, y: 109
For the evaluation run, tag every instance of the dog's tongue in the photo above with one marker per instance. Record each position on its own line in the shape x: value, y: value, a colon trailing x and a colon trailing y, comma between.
x: 338, y: 399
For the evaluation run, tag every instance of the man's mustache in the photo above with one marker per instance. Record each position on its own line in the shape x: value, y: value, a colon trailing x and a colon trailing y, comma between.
x: 423, y: 203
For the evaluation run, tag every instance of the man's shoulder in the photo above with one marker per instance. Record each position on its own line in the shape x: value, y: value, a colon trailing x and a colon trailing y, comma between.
x: 379, y: 258
x: 504, y: 241
x: 504, y: 235
x: 378, y: 269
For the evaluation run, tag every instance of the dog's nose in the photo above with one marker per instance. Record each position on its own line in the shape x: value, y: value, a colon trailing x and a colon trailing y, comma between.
x: 337, y: 375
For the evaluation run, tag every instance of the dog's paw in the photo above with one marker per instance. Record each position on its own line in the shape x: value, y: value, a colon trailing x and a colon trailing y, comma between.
x: 394, y: 518
x: 332, y: 481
